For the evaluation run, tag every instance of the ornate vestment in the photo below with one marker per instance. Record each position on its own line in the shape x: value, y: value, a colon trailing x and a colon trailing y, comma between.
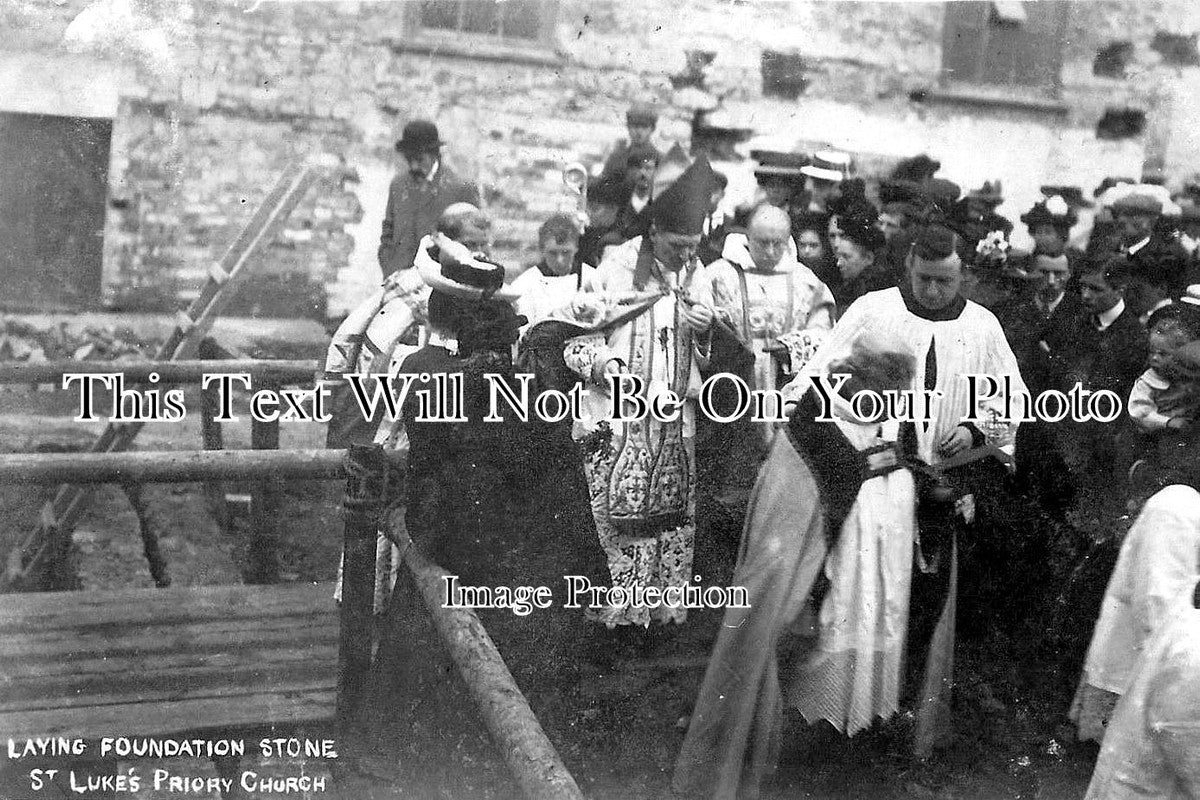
x: 642, y: 472
x: 786, y: 307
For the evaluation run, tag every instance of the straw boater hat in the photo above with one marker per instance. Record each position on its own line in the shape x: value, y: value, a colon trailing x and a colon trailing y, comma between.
x: 831, y: 166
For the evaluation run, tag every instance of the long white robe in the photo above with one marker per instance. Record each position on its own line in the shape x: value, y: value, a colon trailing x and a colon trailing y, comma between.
x: 1158, y: 565
x: 970, y: 344
x: 541, y: 296
x: 1152, y: 748
x: 733, y: 738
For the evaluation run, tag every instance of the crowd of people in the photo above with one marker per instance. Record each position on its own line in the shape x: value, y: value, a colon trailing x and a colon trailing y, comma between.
x: 861, y: 537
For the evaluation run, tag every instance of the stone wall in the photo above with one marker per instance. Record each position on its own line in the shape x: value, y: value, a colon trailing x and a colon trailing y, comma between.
x: 218, y: 96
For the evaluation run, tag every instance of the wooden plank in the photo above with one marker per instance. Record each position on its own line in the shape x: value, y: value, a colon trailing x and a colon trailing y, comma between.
x: 146, y: 661
x: 149, y: 719
x: 268, y: 219
x: 97, y: 664
x: 28, y: 611
x: 169, y: 687
x: 146, y: 642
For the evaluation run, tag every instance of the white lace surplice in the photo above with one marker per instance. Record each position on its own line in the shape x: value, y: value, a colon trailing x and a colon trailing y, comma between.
x: 853, y: 676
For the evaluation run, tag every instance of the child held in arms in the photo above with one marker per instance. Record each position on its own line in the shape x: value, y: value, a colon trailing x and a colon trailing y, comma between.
x: 1163, y: 398
x: 1165, y: 401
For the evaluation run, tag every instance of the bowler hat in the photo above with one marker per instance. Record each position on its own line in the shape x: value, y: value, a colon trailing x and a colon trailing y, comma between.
x: 419, y: 136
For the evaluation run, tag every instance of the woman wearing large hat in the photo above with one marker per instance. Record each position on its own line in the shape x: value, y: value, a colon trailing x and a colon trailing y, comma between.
x: 467, y: 509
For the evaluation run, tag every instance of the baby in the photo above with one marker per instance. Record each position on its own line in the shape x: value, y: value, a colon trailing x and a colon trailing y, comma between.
x: 1165, y: 396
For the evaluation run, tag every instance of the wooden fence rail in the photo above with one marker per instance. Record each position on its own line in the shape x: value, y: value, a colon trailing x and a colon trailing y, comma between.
x: 169, y: 467
x: 265, y: 495
x: 51, y: 534
x: 530, y: 755
x: 190, y: 371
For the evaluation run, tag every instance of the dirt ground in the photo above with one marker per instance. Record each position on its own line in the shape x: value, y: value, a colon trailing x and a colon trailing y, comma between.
x: 618, y: 727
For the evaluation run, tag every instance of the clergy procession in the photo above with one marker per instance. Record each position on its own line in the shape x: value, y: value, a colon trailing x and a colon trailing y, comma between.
x: 854, y: 418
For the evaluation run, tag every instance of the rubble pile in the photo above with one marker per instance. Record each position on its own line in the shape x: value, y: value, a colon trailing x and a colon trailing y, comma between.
x: 25, y: 341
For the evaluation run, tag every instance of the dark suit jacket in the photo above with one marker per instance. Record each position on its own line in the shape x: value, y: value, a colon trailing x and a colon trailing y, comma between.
x: 1026, y: 328
x: 1108, y: 359
x: 412, y: 211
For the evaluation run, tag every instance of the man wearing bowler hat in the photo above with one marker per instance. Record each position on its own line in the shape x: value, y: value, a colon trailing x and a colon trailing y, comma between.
x: 418, y: 196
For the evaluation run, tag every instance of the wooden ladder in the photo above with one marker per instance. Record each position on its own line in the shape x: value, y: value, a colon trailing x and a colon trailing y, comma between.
x: 52, y: 535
